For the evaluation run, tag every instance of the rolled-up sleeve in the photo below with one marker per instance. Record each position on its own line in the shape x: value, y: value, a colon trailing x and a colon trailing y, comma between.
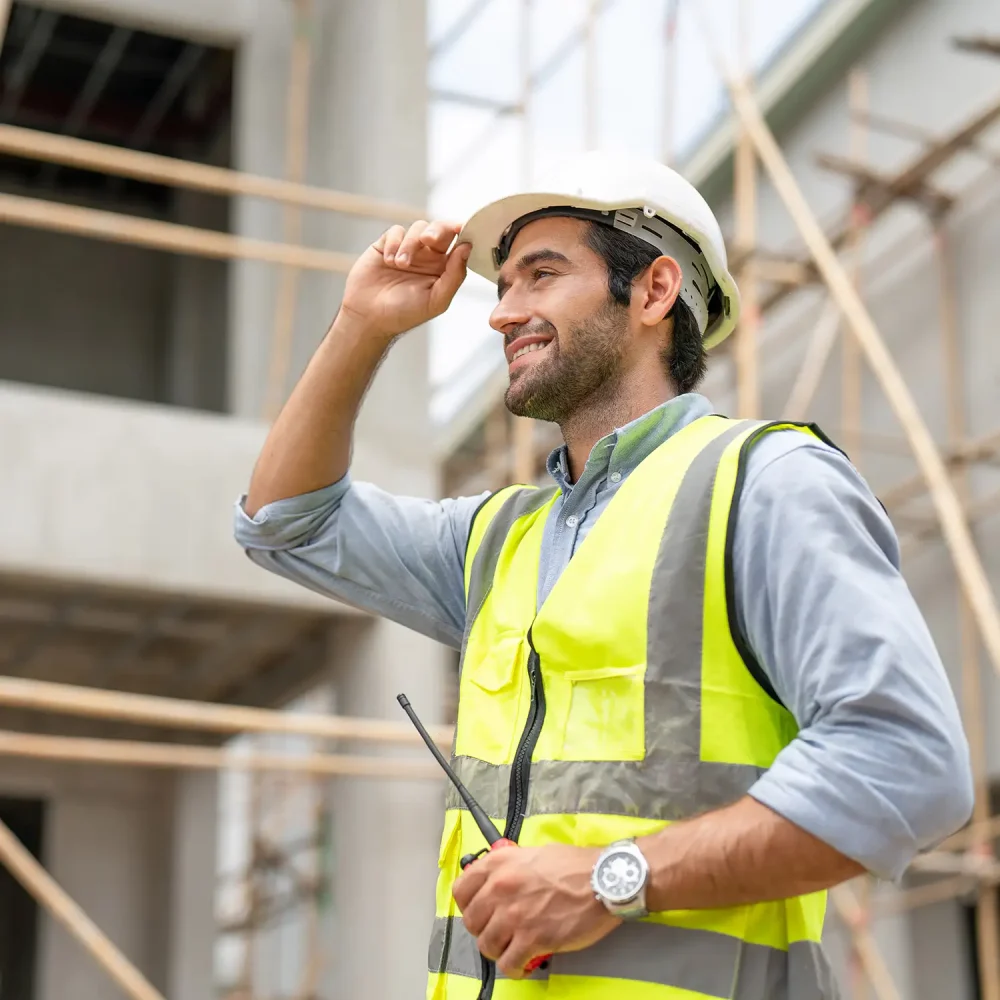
x: 880, y: 768
x: 399, y: 557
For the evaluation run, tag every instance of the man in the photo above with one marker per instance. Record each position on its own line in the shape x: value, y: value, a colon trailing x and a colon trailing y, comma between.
x: 695, y: 687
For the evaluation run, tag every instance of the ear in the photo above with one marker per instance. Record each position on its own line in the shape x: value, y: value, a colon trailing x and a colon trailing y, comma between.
x: 657, y: 290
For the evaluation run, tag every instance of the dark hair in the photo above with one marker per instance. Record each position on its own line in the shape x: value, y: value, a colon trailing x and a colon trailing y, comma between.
x: 626, y: 257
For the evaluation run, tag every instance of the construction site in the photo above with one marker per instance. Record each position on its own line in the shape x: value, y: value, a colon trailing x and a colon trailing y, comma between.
x: 207, y: 788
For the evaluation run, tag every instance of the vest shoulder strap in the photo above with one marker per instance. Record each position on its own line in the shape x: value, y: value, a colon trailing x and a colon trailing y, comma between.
x: 739, y: 637
x: 490, y: 528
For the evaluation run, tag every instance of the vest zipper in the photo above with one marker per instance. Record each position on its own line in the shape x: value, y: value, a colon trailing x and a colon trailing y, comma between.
x: 520, y: 774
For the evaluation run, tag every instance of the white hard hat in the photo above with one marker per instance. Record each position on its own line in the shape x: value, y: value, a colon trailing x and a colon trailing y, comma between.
x: 636, y: 195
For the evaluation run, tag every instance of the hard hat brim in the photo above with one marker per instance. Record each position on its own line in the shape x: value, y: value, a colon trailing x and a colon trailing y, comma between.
x: 484, y: 229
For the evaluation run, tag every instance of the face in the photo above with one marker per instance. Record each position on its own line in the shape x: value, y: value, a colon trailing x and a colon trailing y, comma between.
x: 564, y: 336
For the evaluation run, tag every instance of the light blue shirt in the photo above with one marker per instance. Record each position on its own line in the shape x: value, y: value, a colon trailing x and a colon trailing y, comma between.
x: 880, y: 768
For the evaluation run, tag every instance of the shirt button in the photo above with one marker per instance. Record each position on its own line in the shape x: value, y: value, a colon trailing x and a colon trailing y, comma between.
x: 572, y: 521
x: 616, y: 477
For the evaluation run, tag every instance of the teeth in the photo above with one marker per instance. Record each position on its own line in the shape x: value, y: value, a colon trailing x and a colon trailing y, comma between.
x: 529, y: 349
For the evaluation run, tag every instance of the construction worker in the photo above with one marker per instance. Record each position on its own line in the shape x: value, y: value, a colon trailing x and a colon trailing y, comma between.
x: 695, y: 687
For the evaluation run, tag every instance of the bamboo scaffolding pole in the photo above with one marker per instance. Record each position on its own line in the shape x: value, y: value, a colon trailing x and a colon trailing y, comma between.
x: 939, y: 891
x: 497, y: 446
x: 70, y: 152
x: 5, y: 6
x: 987, y: 915
x: 69, y: 699
x: 248, y: 979
x: 824, y: 336
x: 850, y: 358
x: 49, y: 894
x: 132, y: 753
x: 296, y: 152
x: 745, y: 203
x: 981, y: 449
x: 870, y: 958
x: 976, y: 831
x: 946, y: 503
x: 37, y: 213
x: 976, y: 511
x: 850, y: 403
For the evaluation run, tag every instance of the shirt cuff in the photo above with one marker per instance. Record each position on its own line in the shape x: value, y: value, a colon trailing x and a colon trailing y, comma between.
x: 849, y: 815
x: 289, y: 522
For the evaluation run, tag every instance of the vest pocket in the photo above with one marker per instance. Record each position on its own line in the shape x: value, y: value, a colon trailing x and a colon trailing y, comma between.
x: 489, y: 699
x: 602, y: 713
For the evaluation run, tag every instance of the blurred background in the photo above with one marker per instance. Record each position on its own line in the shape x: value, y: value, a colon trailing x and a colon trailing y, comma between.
x: 183, y: 185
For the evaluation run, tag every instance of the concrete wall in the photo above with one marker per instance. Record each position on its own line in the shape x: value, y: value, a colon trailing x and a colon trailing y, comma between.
x: 918, y: 77
x: 141, y: 495
x: 120, y: 493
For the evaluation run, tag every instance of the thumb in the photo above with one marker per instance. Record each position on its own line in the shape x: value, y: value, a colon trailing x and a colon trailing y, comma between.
x: 444, y: 289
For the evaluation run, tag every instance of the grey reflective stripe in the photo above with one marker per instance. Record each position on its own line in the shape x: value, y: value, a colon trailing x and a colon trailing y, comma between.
x: 675, y: 624
x: 705, y: 962
x: 484, y: 562
x: 660, y: 787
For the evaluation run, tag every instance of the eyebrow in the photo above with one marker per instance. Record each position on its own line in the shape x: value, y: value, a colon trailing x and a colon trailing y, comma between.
x: 529, y: 260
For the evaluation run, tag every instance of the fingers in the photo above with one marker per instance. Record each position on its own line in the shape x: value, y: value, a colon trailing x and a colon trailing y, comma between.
x: 454, y: 274
x: 388, y: 243
x: 401, y: 246
x: 495, y: 939
x: 515, y: 958
x: 411, y: 243
x: 438, y: 235
x: 470, y: 881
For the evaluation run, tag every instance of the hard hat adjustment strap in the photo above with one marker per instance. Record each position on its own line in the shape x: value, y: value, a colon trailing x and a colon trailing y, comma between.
x: 699, y: 292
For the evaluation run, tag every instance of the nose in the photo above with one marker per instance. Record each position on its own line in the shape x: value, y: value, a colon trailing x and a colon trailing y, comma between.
x: 510, y: 312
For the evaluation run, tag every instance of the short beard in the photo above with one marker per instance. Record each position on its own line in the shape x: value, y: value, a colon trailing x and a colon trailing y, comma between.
x: 586, y: 374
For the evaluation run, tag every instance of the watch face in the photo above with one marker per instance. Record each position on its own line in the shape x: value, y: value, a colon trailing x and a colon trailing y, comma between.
x: 619, y: 877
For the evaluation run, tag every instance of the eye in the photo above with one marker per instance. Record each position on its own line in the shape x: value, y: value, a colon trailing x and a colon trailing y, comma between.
x: 543, y: 273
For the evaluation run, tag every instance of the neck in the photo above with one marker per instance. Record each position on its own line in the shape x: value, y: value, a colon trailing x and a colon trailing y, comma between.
x: 600, y: 416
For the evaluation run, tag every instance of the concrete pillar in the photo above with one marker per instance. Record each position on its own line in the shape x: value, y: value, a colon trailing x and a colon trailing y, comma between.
x: 385, y: 833
x: 192, y: 886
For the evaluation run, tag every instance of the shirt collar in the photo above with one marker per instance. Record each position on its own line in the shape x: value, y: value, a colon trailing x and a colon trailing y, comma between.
x: 625, y: 447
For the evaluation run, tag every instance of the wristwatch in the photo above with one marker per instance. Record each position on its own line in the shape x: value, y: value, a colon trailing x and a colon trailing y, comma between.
x: 619, y: 880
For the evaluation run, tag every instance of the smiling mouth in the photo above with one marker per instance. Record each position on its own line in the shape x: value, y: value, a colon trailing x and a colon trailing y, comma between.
x: 528, y: 349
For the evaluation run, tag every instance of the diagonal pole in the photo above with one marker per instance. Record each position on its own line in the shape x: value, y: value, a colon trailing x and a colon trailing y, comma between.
x: 36, y: 880
x: 955, y: 528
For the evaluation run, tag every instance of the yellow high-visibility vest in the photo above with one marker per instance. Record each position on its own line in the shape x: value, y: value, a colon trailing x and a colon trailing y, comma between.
x: 622, y: 704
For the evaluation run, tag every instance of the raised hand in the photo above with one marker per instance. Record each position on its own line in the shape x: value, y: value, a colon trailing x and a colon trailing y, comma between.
x: 406, y: 278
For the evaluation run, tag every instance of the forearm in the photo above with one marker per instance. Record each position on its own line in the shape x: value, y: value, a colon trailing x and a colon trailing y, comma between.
x: 309, y: 446
x: 745, y: 853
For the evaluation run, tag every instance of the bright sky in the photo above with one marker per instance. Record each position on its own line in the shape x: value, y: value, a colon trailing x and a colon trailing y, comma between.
x: 473, y: 152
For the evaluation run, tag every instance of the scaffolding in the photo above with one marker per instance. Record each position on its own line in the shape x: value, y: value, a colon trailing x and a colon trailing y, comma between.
x: 963, y: 865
